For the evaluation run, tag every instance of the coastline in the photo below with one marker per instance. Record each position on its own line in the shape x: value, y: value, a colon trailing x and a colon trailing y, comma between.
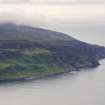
x: 31, y: 78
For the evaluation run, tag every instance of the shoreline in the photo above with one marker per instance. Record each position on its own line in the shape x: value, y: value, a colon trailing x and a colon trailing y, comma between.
x: 31, y: 78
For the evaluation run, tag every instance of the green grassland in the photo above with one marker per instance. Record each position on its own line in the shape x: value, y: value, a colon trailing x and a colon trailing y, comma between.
x: 31, y: 62
x: 18, y: 63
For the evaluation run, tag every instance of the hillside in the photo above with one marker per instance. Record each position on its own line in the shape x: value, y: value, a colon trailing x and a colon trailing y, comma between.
x: 34, y: 52
x: 11, y: 31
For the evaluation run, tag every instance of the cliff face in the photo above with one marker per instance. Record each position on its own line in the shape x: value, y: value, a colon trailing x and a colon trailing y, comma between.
x: 27, y: 51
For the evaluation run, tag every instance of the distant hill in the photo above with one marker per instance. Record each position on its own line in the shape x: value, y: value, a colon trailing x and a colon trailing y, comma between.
x: 28, y: 52
x: 9, y: 31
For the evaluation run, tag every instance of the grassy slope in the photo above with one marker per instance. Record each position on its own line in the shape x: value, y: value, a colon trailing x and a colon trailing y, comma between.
x: 22, y: 63
x: 32, y: 62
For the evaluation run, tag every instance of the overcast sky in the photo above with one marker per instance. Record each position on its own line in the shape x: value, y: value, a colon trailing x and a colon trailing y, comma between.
x: 53, y: 1
x: 84, y: 19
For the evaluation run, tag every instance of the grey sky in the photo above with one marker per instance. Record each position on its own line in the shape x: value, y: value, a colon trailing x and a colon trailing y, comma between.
x: 55, y: 1
x: 85, y: 19
x: 74, y: 14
